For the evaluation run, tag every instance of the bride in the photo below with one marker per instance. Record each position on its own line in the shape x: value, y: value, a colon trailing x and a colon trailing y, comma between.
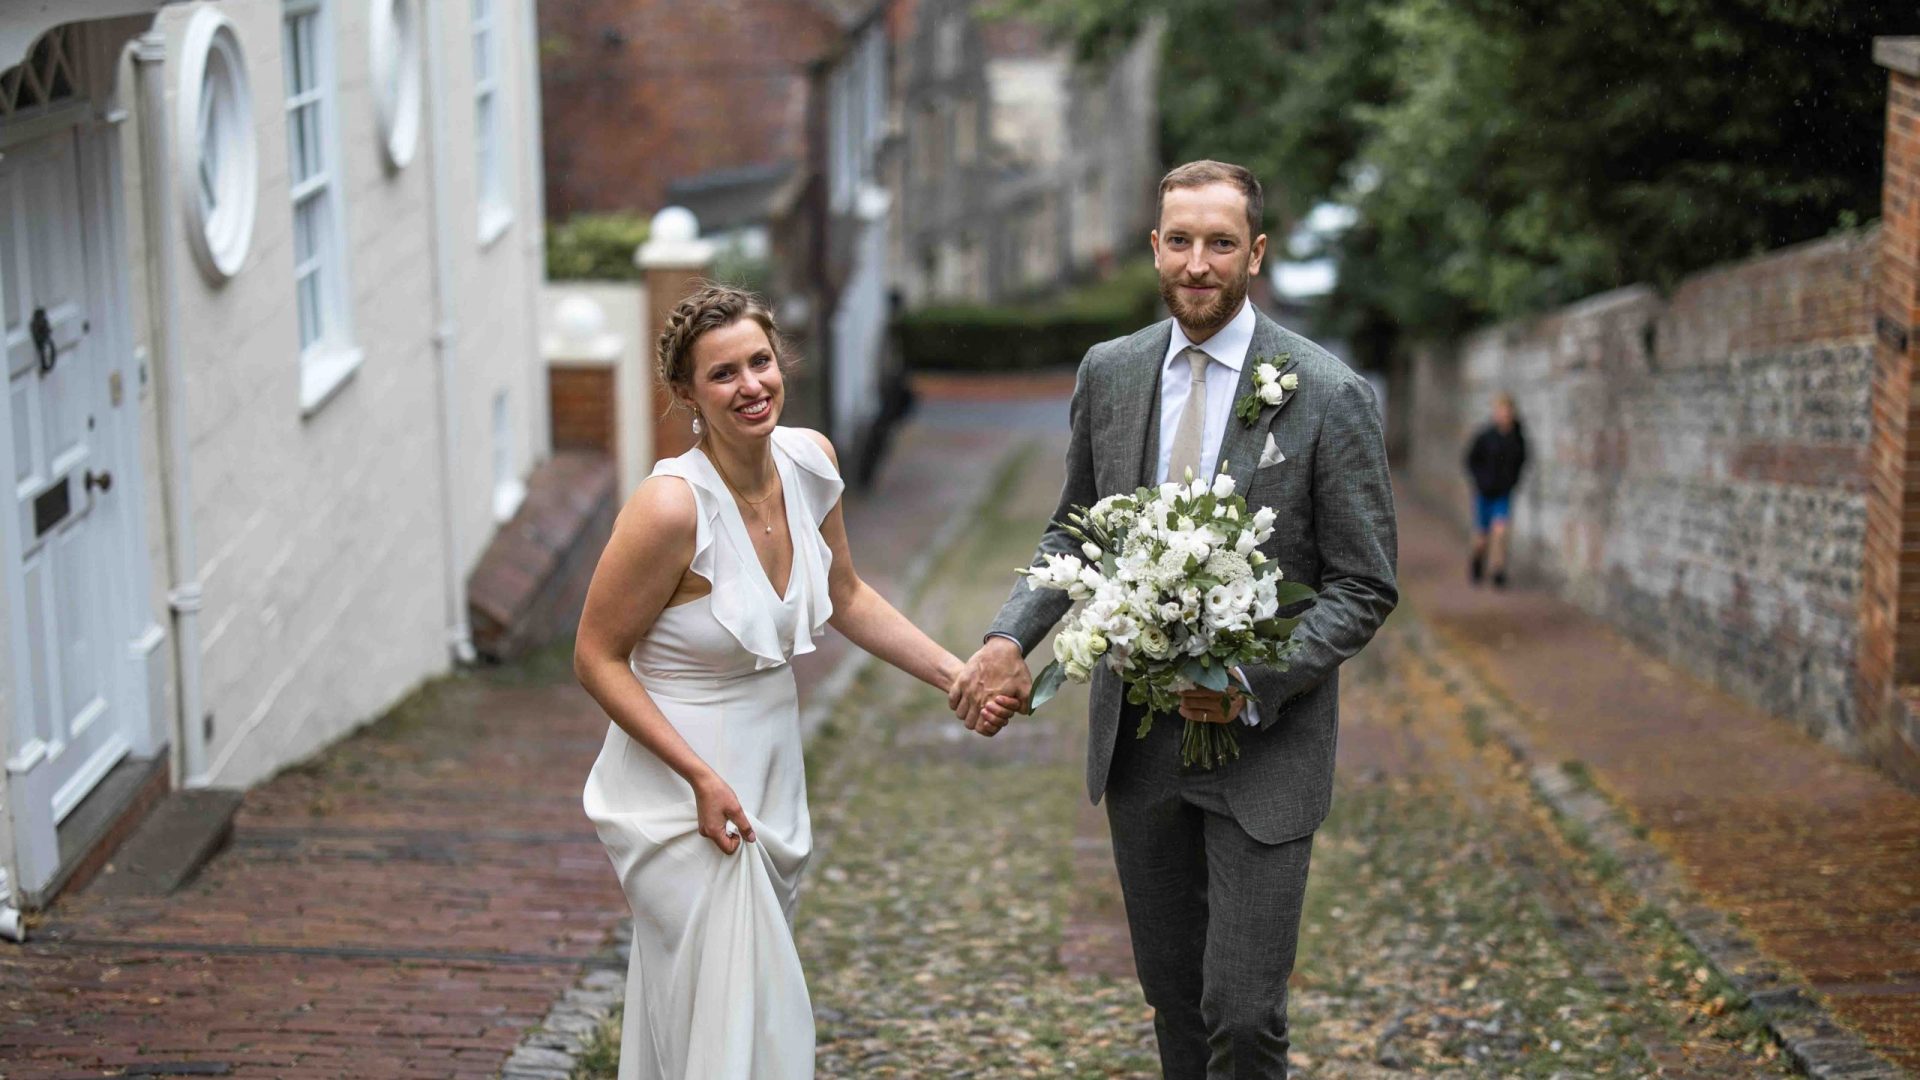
x: 724, y: 565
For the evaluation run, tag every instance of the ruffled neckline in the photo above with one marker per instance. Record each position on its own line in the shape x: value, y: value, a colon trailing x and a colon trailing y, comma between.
x: 743, y: 599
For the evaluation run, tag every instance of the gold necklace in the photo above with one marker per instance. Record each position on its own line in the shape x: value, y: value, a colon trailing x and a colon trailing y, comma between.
x: 754, y: 504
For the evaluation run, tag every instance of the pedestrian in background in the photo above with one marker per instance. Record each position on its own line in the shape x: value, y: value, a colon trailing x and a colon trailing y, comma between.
x: 1494, y: 461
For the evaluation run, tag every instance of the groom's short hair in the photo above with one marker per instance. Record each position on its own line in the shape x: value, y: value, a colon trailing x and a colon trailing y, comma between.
x: 1201, y: 173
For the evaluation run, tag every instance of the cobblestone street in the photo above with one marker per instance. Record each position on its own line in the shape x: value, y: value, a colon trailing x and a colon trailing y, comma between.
x: 413, y: 902
x: 962, y: 918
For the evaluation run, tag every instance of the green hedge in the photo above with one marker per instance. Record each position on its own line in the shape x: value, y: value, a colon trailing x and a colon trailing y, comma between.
x: 1053, y: 333
x: 595, y: 247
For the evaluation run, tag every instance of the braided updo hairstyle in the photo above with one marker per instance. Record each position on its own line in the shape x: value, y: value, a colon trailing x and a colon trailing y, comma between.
x: 710, y: 307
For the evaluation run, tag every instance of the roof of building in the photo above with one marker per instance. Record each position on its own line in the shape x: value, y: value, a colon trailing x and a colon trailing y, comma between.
x: 729, y: 198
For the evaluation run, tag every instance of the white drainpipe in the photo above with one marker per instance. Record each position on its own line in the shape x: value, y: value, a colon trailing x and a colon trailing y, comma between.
x: 459, y: 632
x: 169, y: 379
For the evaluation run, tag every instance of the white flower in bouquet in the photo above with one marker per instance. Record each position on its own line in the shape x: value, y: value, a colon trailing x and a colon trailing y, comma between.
x: 1220, y: 610
x: 1154, y: 643
x: 1054, y: 572
x: 1229, y: 565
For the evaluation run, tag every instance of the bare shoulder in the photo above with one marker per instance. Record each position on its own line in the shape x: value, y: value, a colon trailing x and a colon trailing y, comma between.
x: 825, y: 444
x: 663, y: 506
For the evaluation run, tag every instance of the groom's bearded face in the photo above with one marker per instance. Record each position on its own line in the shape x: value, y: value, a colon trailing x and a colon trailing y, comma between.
x: 1205, y: 255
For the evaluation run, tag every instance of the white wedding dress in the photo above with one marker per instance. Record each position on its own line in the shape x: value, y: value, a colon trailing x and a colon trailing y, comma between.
x: 714, y: 987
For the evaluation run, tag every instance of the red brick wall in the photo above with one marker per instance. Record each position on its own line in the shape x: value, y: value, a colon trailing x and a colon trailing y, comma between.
x: 581, y: 407
x: 1889, y: 654
x: 636, y: 93
x: 1698, y: 466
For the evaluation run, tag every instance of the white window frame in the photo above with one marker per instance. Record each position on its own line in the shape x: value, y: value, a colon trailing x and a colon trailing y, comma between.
x: 508, y: 489
x: 494, y: 188
x: 330, y: 357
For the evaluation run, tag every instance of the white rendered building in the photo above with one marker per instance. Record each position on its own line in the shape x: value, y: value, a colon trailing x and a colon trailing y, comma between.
x: 270, y: 272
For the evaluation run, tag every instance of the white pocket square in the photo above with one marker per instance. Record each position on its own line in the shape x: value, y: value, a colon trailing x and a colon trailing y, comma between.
x: 1271, y: 455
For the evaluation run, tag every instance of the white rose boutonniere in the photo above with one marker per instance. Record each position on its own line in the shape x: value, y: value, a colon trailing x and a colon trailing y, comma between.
x: 1272, y: 382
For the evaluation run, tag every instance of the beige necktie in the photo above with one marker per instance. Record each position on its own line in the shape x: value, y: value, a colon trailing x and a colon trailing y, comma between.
x: 1193, y: 421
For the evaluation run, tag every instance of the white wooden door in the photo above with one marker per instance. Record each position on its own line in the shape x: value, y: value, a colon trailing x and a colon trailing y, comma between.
x: 68, y: 731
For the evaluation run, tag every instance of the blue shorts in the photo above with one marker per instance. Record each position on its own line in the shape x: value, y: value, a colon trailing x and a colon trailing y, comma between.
x: 1489, y: 509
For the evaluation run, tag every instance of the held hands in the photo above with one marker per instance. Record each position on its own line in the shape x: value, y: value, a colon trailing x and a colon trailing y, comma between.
x: 718, y: 807
x: 1211, y: 707
x: 991, y: 687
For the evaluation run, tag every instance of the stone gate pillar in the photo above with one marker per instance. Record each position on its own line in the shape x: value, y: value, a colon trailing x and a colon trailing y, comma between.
x: 673, y: 259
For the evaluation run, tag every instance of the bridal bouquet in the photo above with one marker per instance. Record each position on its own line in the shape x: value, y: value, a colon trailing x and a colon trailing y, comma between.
x: 1173, y: 594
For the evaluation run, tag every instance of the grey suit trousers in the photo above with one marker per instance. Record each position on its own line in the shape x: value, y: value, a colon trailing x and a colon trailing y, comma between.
x: 1214, y: 914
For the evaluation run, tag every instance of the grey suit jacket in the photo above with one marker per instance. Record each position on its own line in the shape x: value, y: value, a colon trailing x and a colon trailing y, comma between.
x: 1335, y: 531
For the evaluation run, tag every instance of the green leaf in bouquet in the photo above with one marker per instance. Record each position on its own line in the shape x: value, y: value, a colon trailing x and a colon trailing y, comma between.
x: 1205, y: 674
x: 1276, y: 627
x: 1046, y: 685
x: 1292, y: 592
x: 1240, y: 680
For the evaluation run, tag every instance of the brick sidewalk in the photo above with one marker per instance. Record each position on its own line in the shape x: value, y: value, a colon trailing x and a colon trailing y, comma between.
x: 1816, y: 855
x: 410, y: 902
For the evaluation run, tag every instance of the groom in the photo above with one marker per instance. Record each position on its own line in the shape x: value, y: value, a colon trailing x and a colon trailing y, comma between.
x: 1213, y: 864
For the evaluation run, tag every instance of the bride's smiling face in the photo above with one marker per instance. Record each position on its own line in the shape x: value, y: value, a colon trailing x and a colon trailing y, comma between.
x: 737, y: 386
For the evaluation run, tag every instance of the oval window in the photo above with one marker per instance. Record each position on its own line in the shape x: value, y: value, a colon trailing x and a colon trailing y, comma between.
x: 395, y: 41
x: 219, y: 163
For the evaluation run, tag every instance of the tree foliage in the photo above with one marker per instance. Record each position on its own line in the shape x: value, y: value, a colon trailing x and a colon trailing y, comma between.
x: 1510, y: 155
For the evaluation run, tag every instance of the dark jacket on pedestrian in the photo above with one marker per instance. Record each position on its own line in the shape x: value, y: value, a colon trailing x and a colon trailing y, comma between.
x: 1495, y: 458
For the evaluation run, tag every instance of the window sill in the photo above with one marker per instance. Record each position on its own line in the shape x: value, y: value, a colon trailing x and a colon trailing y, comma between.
x: 494, y: 221
x: 323, y: 374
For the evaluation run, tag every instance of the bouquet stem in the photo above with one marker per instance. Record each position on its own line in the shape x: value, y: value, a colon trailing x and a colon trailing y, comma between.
x: 1203, y: 745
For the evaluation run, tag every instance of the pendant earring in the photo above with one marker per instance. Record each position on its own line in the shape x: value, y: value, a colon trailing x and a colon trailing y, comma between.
x: 697, y: 426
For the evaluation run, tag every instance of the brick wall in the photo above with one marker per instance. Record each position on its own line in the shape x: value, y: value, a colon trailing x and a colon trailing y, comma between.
x: 1698, y: 466
x: 637, y: 93
x: 582, y: 399
x: 1889, y: 653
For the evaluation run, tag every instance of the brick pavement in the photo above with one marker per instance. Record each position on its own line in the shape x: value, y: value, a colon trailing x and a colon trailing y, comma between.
x: 1817, y: 856
x: 408, y: 903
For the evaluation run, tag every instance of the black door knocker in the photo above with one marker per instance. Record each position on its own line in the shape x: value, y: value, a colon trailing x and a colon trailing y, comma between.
x: 43, y: 345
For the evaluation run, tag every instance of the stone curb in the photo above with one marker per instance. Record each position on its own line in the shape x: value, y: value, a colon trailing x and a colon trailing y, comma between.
x: 551, y: 1051
x: 1818, y: 1044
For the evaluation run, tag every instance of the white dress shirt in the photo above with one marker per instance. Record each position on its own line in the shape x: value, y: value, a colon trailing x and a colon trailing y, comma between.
x: 1228, y: 350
